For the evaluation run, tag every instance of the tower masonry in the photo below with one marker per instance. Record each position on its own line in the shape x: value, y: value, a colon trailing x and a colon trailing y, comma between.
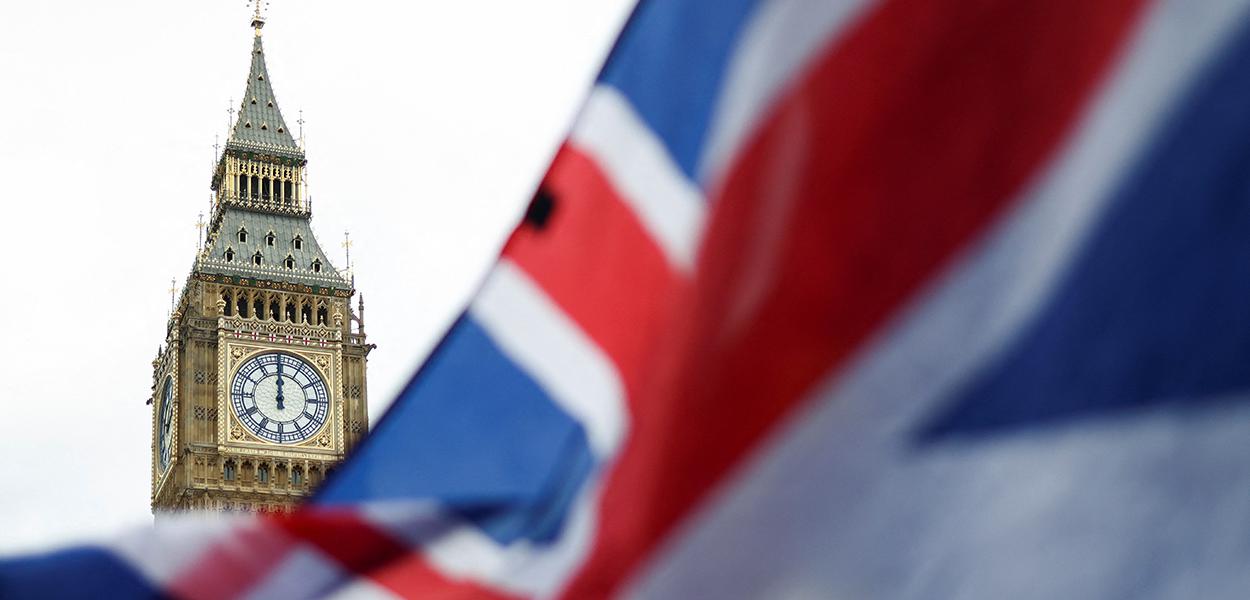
x: 259, y: 389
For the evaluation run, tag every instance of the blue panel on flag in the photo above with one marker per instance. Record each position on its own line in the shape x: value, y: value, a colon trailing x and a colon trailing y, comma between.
x: 76, y: 573
x: 473, y: 432
x: 673, y: 77
x: 540, y: 520
x: 1156, y: 308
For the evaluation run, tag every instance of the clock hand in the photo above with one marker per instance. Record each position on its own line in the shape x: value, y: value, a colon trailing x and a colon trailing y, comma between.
x: 279, y: 384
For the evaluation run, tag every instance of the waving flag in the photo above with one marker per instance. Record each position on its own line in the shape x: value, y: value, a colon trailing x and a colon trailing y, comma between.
x: 822, y: 299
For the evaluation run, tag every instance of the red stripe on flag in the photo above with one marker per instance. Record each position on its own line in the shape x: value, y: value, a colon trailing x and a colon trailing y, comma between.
x: 596, y: 260
x: 412, y: 577
x: 897, y: 149
x: 592, y: 256
x: 362, y: 549
x: 236, y: 563
x: 341, y: 534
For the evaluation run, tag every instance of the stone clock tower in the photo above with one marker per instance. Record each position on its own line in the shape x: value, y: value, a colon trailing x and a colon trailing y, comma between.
x: 259, y: 389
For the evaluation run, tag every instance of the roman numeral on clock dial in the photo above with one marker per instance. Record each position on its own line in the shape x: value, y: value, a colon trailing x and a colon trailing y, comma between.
x: 279, y: 398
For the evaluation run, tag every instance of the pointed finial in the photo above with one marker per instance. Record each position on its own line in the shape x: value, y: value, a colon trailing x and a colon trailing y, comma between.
x: 258, y: 17
x: 300, y: 120
x: 347, y: 249
x: 173, y: 287
x: 199, y: 226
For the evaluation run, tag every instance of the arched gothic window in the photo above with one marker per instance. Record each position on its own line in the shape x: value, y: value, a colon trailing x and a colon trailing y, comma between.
x: 229, y: 471
x: 257, y: 259
x: 229, y: 255
x: 270, y: 239
x: 298, y: 242
x: 316, y: 266
x: 262, y: 474
x: 242, y: 235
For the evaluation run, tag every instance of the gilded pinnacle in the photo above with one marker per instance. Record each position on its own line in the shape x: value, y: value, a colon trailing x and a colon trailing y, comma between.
x: 258, y: 19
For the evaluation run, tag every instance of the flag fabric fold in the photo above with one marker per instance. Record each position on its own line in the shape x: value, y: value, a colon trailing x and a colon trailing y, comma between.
x: 865, y: 298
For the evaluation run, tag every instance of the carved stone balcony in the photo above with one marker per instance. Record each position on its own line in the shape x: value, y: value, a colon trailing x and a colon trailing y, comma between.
x: 285, y: 206
x: 279, y: 330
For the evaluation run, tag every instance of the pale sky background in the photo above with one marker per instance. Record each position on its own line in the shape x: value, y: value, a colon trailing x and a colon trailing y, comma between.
x: 428, y: 126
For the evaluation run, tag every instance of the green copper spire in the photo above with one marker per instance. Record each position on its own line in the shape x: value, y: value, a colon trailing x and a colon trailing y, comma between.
x: 260, y: 125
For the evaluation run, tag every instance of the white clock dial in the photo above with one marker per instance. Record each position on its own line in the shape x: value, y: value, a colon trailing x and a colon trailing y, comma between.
x: 165, y: 441
x: 280, y: 398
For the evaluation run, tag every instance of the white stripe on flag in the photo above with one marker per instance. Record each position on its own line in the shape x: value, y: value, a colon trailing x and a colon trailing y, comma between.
x: 634, y: 160
x: 363, y: 588
x: 880, y: 516
x: 304, y: 572
x: 176, y: 542
x: 775, y: 46
x: 545, y: 343
x: 461, y: 552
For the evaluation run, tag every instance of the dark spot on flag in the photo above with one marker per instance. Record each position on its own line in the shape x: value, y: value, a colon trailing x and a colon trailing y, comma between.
x: 540, y: 209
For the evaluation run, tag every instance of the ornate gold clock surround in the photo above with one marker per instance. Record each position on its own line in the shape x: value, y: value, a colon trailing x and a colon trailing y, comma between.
x: 234, y: 438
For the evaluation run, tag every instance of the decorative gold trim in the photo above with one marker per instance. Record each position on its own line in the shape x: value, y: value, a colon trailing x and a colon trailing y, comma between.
x: 244, y: 438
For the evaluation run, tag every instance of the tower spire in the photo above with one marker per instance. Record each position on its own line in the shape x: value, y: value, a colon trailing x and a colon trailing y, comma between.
x: 261, y: 164
x: 259, y: 122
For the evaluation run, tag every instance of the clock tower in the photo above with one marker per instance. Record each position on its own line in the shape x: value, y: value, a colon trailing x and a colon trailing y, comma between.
x: 259, y: 389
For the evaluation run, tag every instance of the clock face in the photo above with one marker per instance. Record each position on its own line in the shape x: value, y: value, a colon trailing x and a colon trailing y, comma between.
x: 167, y: 422
x: 280, y: 398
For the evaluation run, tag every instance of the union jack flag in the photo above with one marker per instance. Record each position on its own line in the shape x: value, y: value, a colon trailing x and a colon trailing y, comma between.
x: 822, y: 298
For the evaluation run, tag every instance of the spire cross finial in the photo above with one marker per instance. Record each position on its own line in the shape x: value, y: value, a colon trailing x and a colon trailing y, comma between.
x: 199, y: 226
x: 258, y: 17
x: 230, y: 115
x: 173, y: 287
x: 347, y: 249
x: 300, y: 121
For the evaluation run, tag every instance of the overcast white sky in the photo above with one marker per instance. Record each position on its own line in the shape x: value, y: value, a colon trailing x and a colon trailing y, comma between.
x: 428, y: 126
